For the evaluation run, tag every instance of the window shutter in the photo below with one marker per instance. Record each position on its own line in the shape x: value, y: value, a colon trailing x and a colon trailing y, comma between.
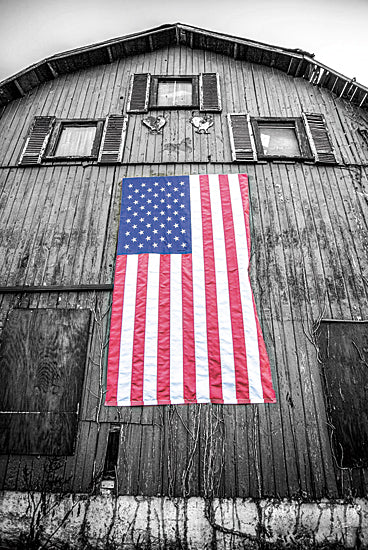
x: 139, y: 93
x: 318, y: 137
x: 37, y: 140
x: 241, y: 137
x: 209, y: 92
x: 113, y: 139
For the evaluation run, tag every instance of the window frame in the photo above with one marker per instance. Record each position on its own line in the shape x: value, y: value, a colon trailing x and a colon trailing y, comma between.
x: 301, y: 135
x: 153, y: 91
x: 56, y: 134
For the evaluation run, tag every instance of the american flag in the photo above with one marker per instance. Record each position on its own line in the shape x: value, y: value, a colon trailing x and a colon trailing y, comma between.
x: 184, y: 327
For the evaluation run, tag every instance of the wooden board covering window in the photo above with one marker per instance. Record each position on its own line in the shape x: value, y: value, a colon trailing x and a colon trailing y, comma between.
x: 42, y: 362
x: 344, y: 354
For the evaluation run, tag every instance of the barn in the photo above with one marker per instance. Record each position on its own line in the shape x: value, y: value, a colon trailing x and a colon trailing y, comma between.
x: 175, y: 101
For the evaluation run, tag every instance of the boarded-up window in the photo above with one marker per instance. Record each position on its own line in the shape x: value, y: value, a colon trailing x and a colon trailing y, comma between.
x: 42, y: 362
x: 344, y: 354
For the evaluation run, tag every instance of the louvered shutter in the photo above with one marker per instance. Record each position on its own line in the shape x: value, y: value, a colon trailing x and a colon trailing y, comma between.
x: 37, y: 140
x: 113, y: 139
x: 319, y: 139
x: 139, y: 93
x: 241, y: 137
x: 209, y: 92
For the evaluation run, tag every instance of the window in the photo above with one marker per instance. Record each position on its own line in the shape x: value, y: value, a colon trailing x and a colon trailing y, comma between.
x: 174, y: 92
x: 300, y: 139
x: 343, y: 351
x: 42, y: 362
x: 75, y: 139
x: 52, y: 139
x: 280, y: 138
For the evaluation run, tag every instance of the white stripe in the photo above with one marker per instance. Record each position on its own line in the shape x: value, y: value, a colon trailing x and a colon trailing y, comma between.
x: 222, y: 290
x: 127, y: 331
x: 151, y: 331
x: 250, y: 327
x: 199, y: 298
x: 176, y: 331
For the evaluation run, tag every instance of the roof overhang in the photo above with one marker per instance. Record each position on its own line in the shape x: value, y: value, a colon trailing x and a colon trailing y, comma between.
x: 294, y: 62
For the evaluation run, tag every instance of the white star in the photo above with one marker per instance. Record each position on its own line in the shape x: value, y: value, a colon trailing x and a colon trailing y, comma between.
x: 127, y: 233
x: 126, y: 246
x: 155, y: 245
x: 182, y: 194
x: 155, y: 195
x: 176, y: 225
x: 162, y: 225
x: 155, y: 231
x: 134, y: 239
x: 162, y: 200
x: 149, y: 201
x: 162, y: 213
x: 169, y: 245
x: 183, y: 231
x: 142, y: 196
x: 176, y: 238
x: 176, y: 213
x: 141, y: 232
x: 130, y: 196
x: 141, y: 219
x: 129, y: 208
x: 169, y: 231
x: 155, y: 206
x: 168, y: 219
x: 140, y: 245
x: 156, y: 183
x: 148, y: 238
x: 182, y: 206
x: 149, y: 190
x: 176, y: 188
x: 143, y: 185
x: 135, y: 213
x: 183, y: 245
x: 168, y: 195
x: 169, y: 183
x: 175, y: 200
x: 142, y: 207
x: 135, y: 202
x: 169, y: 206
x: 182, y: 218
x: 136, y: 190
x: 130, y: 185
x: 148, y: 225
x: 128, y: 220
x: 155, y: 219
x: 162, y: 189
x: 181, y: 183
x: 162, y: 238
x: 134, y: 227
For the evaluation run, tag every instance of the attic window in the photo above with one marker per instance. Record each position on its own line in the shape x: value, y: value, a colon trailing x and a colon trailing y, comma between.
x: 174, y: 92
x: 148, y: 92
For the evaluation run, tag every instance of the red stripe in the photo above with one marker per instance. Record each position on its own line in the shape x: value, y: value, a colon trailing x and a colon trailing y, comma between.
x: 236, y: 313
x: 163, y: 337
x: 266, y: 378
x: 213, y: 340
x: 115, y: 332
x: 189, y: 368
x: 136, y: 394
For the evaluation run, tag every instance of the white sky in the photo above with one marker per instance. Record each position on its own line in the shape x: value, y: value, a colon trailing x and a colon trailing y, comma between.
x: 335, y: 30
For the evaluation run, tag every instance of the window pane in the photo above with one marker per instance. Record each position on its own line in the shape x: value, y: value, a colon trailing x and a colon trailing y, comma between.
x: 174, y: 93
x: 76, y: 141
x: 278, y: 140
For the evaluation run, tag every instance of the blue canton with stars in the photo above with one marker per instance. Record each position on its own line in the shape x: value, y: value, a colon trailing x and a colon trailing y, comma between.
x: 155, y: 216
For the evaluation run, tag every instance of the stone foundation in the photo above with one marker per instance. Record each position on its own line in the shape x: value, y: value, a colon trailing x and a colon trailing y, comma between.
x: 109, y: 522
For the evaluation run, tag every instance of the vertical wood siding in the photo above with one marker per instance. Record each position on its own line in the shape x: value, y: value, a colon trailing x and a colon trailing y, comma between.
x: 309, y: 260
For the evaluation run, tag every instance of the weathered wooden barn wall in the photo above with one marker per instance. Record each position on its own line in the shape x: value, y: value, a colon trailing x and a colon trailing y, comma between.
x: 59, y: 226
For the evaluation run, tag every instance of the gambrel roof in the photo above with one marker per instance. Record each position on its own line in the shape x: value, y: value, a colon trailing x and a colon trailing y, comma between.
x: 294, y: 62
